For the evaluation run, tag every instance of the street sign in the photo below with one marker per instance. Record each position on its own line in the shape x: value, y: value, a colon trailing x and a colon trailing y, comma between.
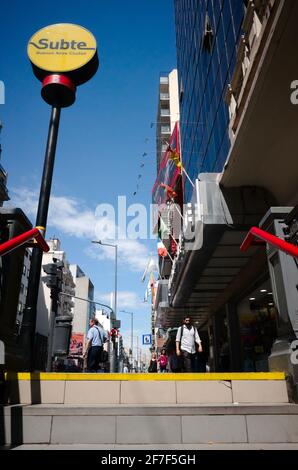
x: 63, y: 48
x: 62, y: 56
x: 147, y: 339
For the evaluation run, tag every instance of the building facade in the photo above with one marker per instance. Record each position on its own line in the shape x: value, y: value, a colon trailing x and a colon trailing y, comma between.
x: 167, y: 112
x: 82, y: 310
x: 237, y: 146
x: 3, y: 178
x: 207, y: 35
x: 24, y: 285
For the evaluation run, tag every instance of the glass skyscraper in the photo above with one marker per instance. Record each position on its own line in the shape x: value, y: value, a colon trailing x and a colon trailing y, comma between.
x: 207, y: 34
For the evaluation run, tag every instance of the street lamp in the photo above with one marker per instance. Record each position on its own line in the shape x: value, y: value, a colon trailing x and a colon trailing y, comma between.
x: 131, y: 344
x: 99, y: 242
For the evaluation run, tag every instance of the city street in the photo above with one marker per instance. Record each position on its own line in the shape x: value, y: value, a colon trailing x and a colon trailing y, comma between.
x: 149, y: 228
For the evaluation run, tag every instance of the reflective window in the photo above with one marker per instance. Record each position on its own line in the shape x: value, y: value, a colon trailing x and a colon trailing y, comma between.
x: 205, y: 75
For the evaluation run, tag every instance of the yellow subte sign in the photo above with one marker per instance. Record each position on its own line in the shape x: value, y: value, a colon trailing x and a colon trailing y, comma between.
x: 61, y: 48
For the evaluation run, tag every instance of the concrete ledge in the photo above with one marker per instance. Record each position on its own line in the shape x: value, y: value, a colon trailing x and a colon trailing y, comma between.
x: 196, y: 429
x: 272, y: 428
x: 148, y: 430
x: 260, y: 391
x: 204, y: 392
x: 148, y: 392
x: 150, y: 424
x: 92, y: 392
x: 185, y: 390
x: 147, y: 410
x: 27, y: 392
x: 83, y: 430
x: 26, y: 430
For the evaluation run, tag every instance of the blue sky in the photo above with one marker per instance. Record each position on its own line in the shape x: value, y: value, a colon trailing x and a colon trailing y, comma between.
x: 102, y: 136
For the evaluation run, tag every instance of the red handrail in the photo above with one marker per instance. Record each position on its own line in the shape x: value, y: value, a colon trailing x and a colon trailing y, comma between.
x: 282, y: 245
x: 15, y: 242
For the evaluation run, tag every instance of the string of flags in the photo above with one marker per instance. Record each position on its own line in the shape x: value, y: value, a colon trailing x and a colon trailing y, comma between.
x: 174, y: 156
x: 141, y: 167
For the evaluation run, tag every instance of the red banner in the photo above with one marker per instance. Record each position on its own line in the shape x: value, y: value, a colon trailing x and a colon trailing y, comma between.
x: 168, y: 171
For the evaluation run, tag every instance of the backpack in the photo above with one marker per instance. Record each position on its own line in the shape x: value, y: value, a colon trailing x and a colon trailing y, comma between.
x: 163, y: 361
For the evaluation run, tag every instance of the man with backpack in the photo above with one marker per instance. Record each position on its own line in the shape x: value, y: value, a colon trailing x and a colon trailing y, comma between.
x: 187, y: 339
x: 96, y: 337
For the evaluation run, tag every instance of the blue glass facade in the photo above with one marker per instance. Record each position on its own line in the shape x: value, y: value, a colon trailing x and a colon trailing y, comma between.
x: 207, y: 34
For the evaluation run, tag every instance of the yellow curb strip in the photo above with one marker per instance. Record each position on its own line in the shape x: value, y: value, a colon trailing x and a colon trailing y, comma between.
x: 10, y: 376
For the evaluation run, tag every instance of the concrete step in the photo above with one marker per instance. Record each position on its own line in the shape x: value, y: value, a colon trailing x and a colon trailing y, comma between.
x: 121, y: 425
x: 150, y: 447
x: 147, y: 389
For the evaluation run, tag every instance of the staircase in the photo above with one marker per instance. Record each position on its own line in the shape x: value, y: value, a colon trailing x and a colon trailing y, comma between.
x: 148, y: 409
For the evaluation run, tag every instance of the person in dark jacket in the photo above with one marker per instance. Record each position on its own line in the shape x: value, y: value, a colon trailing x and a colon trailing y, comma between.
x: 153, y: 363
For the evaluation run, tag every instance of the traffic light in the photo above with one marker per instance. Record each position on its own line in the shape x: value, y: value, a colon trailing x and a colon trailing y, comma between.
x: 55, y: 276
x: 114, y: 334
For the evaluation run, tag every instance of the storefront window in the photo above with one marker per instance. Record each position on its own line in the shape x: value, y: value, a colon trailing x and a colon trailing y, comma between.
x: 258, y: 328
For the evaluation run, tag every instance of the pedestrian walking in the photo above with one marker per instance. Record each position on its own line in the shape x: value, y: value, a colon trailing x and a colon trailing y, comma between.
x: 153, y: 363
x: 163, y: 361
x: 96, y: 337
x: 187, y: 341
x: 174, y: 362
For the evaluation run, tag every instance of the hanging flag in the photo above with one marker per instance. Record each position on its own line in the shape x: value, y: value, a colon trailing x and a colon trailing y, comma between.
x: 171, y: 194
x: 150, y: 268
x: 173, y: 245
x: 153, y: 286
x: 163, y: 230
x: 147, y: 292
x: 161, y: 250
x: 151, y: 279
x: 175, y: 157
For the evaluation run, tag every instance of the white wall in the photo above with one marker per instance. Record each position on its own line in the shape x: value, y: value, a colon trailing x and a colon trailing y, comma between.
x: 174, y: 98
x: 81, y: 310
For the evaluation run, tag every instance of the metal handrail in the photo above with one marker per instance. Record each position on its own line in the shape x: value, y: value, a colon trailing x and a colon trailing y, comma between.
x: 282, y: 245
x: 18, y: 241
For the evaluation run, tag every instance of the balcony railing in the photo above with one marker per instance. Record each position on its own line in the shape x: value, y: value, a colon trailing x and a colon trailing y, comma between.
x: 256, y: 24
x: 164, y: 96
x: 164, y: 80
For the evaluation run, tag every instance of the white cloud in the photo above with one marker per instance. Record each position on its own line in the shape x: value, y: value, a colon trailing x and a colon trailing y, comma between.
x: 71, y: 217
x: 65, y: 213
x: 131, y: 253
x: 125, y: 300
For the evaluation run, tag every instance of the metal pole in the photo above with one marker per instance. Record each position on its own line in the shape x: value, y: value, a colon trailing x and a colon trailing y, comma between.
x: 137, y: 353
x: 30, y: 311
x: 131, y: 338
x: 116, y: 268
x: 53, y: 314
